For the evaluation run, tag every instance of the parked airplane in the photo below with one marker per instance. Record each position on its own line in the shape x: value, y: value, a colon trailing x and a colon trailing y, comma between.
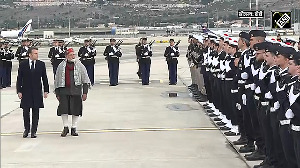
x: 15, y: 34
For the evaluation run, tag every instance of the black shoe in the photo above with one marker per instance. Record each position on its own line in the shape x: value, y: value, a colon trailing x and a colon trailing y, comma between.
x: 210, y: 111
x: 212, y: 115
x: 260, y: 165
x: 25, y: 134
x: 207, y: 107
x: 247, y: 148
x: 241, y: 141
x: 225, y: 128
x: 201, y: 99
x: 33, y: 135
x: 73, y: 132
x: 229, y: 133
x: 220, y: 123
x: 256, y: 155
x: 112, y: 85
x: 172, y: 83
x: 65, y: 132
x: 217, y: 119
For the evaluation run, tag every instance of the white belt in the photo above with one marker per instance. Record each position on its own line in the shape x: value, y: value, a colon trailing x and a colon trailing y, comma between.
x: 228, y: 79
x: 241, y: 81
x: 3, y: 59
x: 234, y: 91
x: 146, y: 57
x: 295, y: 128
x: 8, y: 60
x: 248, y: 86
x: 265, y: 103
x: 256, y: 97
x: 114, y: 56
x: 60, y: 58
x: 88, y: 58
x: 285, y: 122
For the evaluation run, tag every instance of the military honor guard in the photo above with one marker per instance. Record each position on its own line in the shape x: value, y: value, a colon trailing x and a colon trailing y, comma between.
x: 145, y: 61
x: 54, y: 54
x: 112, y: 54
x: 8, y: 56
x: 31, y: 77
x: 172, y: 52
x: 137, y: 51
x: 71, y: 87
x: 87, y: 55
x: 57, y: 54
x: 21, y: 53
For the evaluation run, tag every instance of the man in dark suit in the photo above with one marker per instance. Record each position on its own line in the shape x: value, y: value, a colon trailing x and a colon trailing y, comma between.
x: 29, y: 89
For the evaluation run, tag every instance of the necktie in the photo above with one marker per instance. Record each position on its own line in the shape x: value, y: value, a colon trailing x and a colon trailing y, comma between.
x: 32, y: 65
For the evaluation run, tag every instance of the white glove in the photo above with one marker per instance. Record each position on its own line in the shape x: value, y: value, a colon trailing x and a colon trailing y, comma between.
x: 172, y: 54
x: 244, y: 98
x: 257, y: 90
x: 253, y: 86
x: 289, y: 114
x: 192, y: 64
x: 244, y: 75
x: 268, y: 95
x: 111, y: 54
x: 272, y: 109
x: 277, y: 105
x: 238, y: 106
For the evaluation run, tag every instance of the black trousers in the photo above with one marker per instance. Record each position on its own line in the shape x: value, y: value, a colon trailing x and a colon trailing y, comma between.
x: 246, y: 118
x: 35, y: 119
x: 252, y: 110
x: 230, y: 103
x: 279, y: 154
x: 267, y: 134
x: 288, y: 146
x: 296, y: 138
x: 207, y: 85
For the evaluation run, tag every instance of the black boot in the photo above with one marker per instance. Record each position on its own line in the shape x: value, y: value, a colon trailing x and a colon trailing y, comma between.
x: 65, y: 132
x: 73, y: 132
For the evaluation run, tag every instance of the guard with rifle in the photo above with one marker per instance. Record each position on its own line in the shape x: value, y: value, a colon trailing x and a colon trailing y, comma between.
x: 171, y: 54
x: 112, y: 54
x: 137, y: 51
x: 1, y: 64
x: 59, y: 56
x: 145, y: 60
x: 21, y: 52
x: 53, y: 54
x: 87, y: 55
x: 7, y: 58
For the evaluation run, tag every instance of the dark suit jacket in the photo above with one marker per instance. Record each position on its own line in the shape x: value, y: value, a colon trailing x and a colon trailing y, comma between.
x: 29, y: 83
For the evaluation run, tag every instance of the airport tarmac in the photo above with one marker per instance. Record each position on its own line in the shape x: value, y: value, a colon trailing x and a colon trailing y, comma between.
x: 128, y: 126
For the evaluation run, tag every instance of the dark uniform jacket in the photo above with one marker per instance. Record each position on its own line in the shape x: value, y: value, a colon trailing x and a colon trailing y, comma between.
x: 171, y: 54
x: 87, y: 55
x: 112, y: 53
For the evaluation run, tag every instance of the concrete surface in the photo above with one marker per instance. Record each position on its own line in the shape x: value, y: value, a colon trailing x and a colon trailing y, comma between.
x: 128, y: 126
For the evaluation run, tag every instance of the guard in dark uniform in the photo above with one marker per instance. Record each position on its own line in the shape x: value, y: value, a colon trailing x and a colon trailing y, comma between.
x: 112, y: 54
x: 59, y: 56
x: 137, y: 51
x: 8, y: 56
x: 171, y: 54
x: 293, y: 112
x: 1, y: 64
x: 21, y: 52
x: 145, y: 61
x: 87, y: 55
x: 53, y: 54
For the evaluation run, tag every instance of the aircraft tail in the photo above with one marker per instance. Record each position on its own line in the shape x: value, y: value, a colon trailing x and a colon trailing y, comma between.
x: 25, y: 29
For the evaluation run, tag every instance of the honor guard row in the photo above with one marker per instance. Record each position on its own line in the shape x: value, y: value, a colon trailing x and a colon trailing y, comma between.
x: 253, y: 87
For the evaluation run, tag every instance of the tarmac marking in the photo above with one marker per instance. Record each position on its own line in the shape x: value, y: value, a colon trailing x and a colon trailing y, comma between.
x: 27, y: 147
x: 121, y: 130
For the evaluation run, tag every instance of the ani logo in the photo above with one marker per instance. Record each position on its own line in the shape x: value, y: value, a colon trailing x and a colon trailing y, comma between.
x: 281, y: 20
